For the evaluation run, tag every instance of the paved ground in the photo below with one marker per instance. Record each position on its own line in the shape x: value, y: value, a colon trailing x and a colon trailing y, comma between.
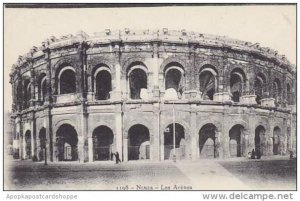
x: 231, y: 174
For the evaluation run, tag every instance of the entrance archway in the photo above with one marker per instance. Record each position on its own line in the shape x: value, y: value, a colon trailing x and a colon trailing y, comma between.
x: 103, y: 138
x: 28, y: 144
x: 169, y: 142
x: 42, y: 137
x: 235, y: 141
x: 276, y: 140
x: 138, y: 143
x: 258, y: 139
x: 207, y: 141
x: 67, y: 140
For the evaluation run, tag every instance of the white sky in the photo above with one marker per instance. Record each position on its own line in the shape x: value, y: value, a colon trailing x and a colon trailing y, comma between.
x: 271, y: 26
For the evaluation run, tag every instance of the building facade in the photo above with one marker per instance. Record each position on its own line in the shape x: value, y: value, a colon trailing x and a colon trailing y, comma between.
x: 151, y: 94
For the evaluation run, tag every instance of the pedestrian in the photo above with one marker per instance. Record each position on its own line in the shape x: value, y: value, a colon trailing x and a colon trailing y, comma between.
x: 117, y: 156
x: 253, y: 154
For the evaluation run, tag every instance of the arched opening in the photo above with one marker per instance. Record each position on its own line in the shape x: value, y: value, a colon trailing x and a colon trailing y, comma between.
x: 277, y: 91
x: 138, y: 143
x: 42, y: 88
x: 208, y: 146
x: 208, y: 82
x: 103, y: 139
x: 67, y: 80
x: 259, y: 83
x: 28, y: 144
x: 289, y: 94
x: 169, y: 142
x: 235, y: 141
x: 67, y: 140
x: 237, y: 82
x: 19, y: 95
x: 42, y: 137
x: 276, y: 140
x: 258, y: 139
x: 174, y: 78
x: 103, y: 84
x: 27, y: 93
x: 137, y: 82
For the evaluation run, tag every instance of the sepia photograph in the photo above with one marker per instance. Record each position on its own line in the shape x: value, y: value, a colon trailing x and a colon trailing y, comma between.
x: 149, y: 97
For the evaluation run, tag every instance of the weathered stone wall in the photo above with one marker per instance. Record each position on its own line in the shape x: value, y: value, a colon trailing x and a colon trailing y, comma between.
x: 155, y: 52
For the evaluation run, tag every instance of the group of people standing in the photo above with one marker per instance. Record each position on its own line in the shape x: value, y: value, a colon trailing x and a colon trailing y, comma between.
x: 254, y: 154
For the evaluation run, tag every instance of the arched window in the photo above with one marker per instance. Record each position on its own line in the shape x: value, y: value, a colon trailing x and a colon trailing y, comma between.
x: 259, y: 84
x: 174, y: 78
x: 237, y: 83
x: 208, y: 82
x: 19, y: 94
x: 42, y: 88
x: 67, y: 80
x: 27, y: 93
x: 137, y: 81
x: 102, y: 83
x: 277, y: 91
x: 289, y: 94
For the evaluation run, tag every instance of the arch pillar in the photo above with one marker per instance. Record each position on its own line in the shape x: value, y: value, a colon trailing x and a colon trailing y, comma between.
x: 119, y: 147
x: 116, y: 93
x: 125, y: 148
x: 90, y: 149
x: 193, y: 134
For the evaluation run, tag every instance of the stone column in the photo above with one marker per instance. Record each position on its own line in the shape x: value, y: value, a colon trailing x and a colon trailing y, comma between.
x: 245, y: 142
x: 155, y: 134
x: 251, y: 142
x: 90, y: 149
x: 116, y: 94
x: 119, y: 133
x: 23, y: 146
x: 32, y: 139
x: 193, y: 123
x: 125, y: 150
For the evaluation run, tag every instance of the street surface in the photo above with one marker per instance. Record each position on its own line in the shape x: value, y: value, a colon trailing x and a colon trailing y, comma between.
x: 272, y: 173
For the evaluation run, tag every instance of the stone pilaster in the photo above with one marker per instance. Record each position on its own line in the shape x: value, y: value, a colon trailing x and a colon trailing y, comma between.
x: 194, y: 133
x: 90, y: 149
x: 119, y: 132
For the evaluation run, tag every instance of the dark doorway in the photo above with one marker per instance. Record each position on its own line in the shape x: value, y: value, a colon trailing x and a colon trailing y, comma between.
x: 42, y: 137
x: 28, y: 144
x: 169, y: 142
x: 259, y: 134
x: 276, y: 140
x: 235, y: 141
x: 103, y: 138
x: 207, y: 141
x: 67, y: 140
x: 138, y: 143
